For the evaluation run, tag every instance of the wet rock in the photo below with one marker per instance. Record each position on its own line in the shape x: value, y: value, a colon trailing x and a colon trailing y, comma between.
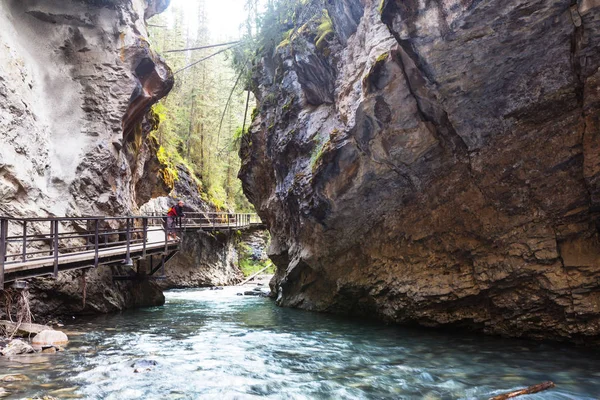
x: 455, y: 181
x: 49, y: 350
x: 24, y: 329
x: 205, y: 259
x: 14, y: 378
x: 141, y: 364
x: 43, y: 398
x: 50, y: 338
x: 16, y: 347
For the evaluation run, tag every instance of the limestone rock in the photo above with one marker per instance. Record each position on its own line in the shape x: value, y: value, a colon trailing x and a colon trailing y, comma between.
x: 50, y: 338
x: 75, y: 77
x: 452, y: 180
x: 14, y: 378
x: 24, y: 329
x: 16, y: 347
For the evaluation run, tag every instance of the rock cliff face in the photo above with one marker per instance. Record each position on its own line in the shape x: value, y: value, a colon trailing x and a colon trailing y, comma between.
x: 205, y: 259
x: 77, y: 79
x: 76, y: 82
x: 436, y: 163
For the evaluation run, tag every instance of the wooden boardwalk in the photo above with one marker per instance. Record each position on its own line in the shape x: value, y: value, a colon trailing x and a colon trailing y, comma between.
x: 33, y: 247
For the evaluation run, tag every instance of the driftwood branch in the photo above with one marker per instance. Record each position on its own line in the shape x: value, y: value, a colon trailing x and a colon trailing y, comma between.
x: 254, y: 276
x: 530, y: 390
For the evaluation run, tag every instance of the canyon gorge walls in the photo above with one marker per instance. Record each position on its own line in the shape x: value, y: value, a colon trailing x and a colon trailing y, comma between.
x: 435, y: 162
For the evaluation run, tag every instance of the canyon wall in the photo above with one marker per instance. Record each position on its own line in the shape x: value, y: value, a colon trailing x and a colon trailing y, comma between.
x: 77, y: 79
x: 435, y: 162
x: 205, y: 258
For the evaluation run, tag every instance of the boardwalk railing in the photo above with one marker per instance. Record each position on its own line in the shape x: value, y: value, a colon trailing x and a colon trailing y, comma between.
x: 37, y: 243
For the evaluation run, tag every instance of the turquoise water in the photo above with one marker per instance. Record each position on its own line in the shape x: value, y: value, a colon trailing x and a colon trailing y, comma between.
x: 217, y: 345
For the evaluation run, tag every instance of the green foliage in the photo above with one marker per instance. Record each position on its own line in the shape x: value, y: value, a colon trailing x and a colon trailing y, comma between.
x: 190, y: 116
x: 316, y: 157
x: 250, y: 266
x: 169, y: 171
x: 276, y: 28
x: 324, y: 31
x: 287, y: 39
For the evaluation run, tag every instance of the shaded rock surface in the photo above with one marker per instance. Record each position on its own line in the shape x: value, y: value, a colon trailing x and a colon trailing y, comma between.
x: 450, y: 177
x: 205, y: 259
x: 64, y: 295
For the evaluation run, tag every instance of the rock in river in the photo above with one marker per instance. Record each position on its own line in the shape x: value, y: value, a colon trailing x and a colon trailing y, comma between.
x: 50, y: 338
x: 16, y: 347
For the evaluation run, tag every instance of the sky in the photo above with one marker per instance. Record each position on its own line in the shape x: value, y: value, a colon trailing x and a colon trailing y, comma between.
x: 224, y: 16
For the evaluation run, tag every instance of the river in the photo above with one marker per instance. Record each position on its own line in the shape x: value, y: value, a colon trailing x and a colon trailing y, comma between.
x: 218, y: 345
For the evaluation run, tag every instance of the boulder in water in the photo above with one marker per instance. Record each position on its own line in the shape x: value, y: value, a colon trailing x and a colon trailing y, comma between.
x: 50, y: 338
x: 143, y: 365
x: 14, y: 378
x: 16, y: 347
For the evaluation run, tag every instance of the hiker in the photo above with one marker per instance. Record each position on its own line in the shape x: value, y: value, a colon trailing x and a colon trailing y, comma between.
x: 174, y: 212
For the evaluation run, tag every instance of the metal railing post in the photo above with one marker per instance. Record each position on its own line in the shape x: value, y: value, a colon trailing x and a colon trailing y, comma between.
x: 24, y: 251
x: 3, y: 246
x: 55, y: 246
x: 145, y: 235
x: 167, y: 235
x: 128, y: 239
x: 96, y: 243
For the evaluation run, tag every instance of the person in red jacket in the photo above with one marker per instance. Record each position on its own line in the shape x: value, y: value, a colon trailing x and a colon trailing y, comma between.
x: 174, y: 212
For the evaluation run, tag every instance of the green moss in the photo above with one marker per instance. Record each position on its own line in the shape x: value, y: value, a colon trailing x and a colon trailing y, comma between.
x: 324, y: 31
x: 254, y: 113
x: 316, y: 158
x: 382, y: 57
x: 287, y: 39
x: 169, y: 171
x: 381, y: 6
x: 287, y: 106
x: 317, y: 155
x: 269, y: 99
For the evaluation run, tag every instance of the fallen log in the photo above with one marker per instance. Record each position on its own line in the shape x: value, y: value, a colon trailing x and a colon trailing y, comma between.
x: 530, y: 390
x: 254, y: 275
